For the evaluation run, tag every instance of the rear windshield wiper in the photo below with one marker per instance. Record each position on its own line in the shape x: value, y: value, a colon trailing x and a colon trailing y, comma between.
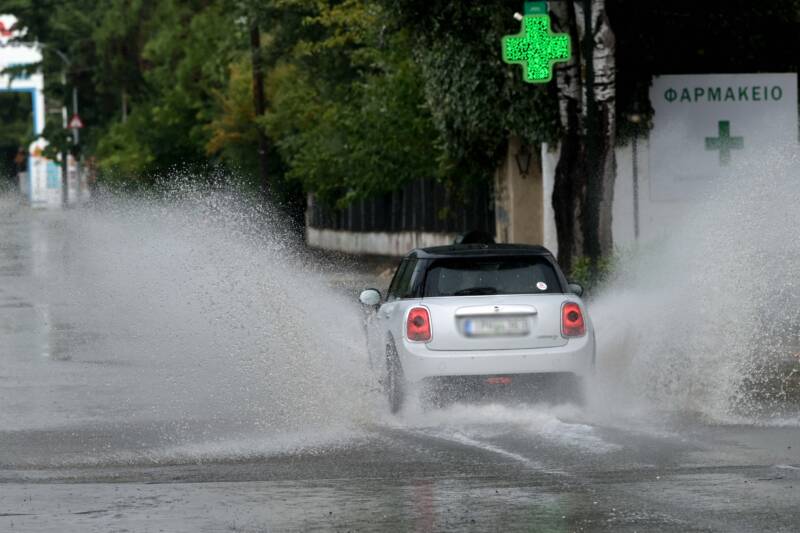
x: 474, y: 291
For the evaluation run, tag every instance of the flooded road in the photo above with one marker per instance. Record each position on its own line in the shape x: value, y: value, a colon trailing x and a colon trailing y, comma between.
x: 162, y: 368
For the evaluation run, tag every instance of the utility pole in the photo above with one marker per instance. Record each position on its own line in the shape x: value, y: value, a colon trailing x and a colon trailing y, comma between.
x: 64, y: 152
x: 258, y: 105
x: 65, y: 119
x: 76, y: 137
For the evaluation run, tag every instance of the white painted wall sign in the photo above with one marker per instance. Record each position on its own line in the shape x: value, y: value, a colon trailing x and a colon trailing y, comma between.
x: 705, y: 124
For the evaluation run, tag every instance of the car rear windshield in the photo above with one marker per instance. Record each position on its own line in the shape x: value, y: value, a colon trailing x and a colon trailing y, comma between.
x: 474, y: 277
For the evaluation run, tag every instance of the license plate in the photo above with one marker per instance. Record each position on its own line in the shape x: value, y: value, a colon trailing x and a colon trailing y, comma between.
x: 495, y: 326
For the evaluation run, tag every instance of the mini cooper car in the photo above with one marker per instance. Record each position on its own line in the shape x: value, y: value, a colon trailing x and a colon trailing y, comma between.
x: 482, y: 315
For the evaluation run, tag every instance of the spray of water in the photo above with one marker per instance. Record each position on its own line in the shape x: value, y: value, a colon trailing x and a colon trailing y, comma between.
x: 706, y: 319
x: 193, y: 313
x: 197, y: 317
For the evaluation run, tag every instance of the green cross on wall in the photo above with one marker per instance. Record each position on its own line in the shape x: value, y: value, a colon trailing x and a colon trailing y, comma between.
x: 536, y: 48
x: 724, y: 143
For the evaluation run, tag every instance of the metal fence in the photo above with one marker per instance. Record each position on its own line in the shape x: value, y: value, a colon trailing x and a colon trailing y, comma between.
x: 422, y: 205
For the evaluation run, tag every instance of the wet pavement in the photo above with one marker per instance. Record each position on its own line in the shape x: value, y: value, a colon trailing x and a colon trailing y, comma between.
x: 133, y: 398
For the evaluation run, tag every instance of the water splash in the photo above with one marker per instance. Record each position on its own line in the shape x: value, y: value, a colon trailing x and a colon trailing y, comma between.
x: 564, y: 425
x: 706, y: 319
x: 191, y: 315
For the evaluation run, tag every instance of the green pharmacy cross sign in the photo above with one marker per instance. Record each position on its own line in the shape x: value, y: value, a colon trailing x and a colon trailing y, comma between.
x: 724, y: 143
x: 536, y: 48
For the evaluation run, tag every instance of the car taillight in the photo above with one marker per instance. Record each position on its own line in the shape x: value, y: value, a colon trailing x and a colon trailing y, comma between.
x: 572, y: 324
x: 418, y: 325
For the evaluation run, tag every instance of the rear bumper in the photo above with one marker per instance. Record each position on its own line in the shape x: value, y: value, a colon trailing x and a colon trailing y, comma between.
x: 576, y: 357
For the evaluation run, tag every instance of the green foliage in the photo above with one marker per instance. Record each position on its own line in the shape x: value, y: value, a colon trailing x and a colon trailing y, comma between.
x: 346, y: 112
x: 162, y: 58
x: 591, y: 275
x: 121, y: 151
x: 16, y: 131
x: 232, y: 131
x: 15, y: 116
x: 185, y: 61
x: 362, y: 95
x: 619, y: 268
x: 477, y: 101
x: 358, y: 129
x: 354, y: 107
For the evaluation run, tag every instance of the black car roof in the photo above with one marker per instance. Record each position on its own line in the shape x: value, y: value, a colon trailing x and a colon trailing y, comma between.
x: 478, y: 250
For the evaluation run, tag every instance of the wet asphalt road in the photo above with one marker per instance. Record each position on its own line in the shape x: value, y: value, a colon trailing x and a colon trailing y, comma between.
x: 400, y: 479
x: 72, y: 458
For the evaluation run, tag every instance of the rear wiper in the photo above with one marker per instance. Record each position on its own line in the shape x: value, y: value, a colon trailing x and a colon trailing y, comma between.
x: 474, y: 291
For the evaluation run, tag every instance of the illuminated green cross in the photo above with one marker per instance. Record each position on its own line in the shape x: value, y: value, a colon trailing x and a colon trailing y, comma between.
x: 536, y: 48
x: 724, y: 143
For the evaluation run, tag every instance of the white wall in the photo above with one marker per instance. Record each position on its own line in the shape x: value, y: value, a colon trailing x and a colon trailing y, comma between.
x: 654, y: 216
x: 676, y: 167
x: 375, y: 243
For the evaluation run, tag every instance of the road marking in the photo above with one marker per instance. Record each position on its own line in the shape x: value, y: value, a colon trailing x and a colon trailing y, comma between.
x: 460, y: 438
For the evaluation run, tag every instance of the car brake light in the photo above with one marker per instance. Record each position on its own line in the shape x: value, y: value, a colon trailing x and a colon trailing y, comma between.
x: 572, y: 324
x: 418, y: 325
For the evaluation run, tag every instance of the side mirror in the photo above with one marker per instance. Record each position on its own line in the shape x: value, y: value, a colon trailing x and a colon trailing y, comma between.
x: 370, y: 297
x: 575, y: 288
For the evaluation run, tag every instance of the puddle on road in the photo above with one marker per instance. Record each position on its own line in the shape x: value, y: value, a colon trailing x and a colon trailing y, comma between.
x: 539, y: 437
x: 559, y: 425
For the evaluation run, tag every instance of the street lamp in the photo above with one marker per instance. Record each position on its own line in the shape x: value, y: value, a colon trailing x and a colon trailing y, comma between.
x: 523, y: 159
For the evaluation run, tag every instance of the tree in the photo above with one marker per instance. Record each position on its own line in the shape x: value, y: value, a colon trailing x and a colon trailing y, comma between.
x: 183, y: 61
x: 346, y: 109
x: 480, y: 103
x: 583, y: 191
x: 17, y: 130
x: 362, y: 96
x: 477, y: 102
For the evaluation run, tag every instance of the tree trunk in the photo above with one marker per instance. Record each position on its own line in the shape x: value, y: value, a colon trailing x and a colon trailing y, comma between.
x: 570, y: 175
x: 584, y: 179
x: 605, y: 92
x: 259, y: 106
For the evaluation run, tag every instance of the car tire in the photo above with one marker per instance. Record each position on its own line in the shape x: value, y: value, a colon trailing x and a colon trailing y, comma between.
x: 394, y: 384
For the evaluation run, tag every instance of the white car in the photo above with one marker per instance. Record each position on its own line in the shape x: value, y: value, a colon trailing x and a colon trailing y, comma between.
x: 482, y: 315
